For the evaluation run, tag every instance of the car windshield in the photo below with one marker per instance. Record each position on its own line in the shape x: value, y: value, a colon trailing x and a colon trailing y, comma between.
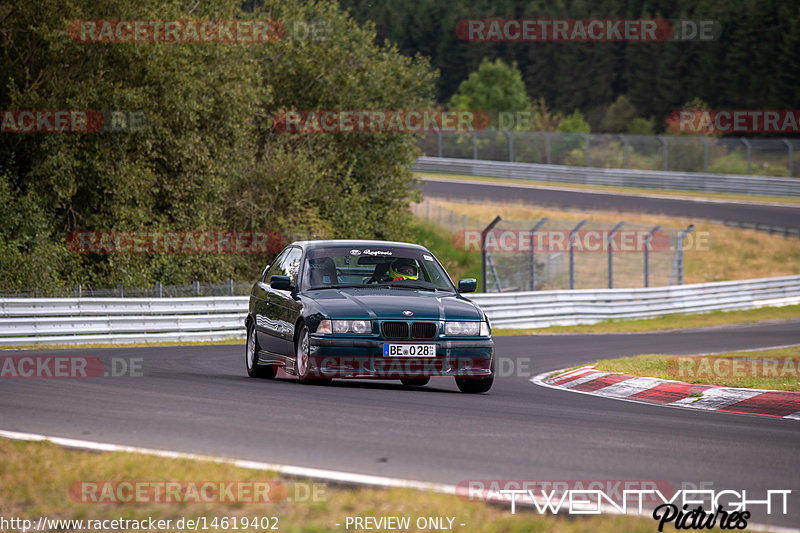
x: 374, y: 266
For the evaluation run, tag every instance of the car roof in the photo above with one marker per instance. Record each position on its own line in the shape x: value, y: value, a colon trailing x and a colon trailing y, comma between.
x: 309, y: 245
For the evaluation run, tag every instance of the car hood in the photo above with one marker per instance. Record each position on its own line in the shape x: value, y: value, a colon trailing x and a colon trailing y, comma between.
x: 389, y: 303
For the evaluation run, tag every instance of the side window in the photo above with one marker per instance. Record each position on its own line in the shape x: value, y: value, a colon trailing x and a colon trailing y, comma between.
x: 263, y: 278
x: 287, y: 264
x: 274, y: 269
x: 290, y: 264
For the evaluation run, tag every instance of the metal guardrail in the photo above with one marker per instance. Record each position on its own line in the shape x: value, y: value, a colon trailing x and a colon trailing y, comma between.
x: 680, y: 153
x: 31, y: 321
x: 587, y: 306
x: 645, y: 179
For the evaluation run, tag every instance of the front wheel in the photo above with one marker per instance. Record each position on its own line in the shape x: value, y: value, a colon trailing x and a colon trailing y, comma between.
x: 302, y: 363
x: 254, y: 370
x: 474, y: 385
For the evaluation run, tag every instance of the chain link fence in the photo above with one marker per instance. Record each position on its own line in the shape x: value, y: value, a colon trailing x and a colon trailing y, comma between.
x: 680, y: 153
x: 548, y: 254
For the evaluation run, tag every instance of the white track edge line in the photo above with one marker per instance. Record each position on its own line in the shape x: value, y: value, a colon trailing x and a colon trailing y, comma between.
x: 291, y: 470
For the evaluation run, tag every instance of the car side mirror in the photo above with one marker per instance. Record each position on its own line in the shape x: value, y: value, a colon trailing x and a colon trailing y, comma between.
x: 280, y: 283
x: 467, y: 285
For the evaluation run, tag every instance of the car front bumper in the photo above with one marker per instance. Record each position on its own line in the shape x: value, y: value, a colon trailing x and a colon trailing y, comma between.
x: 363, y: 358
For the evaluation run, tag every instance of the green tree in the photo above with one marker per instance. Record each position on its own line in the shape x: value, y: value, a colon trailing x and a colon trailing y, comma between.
x: 574, y: 123
x: 210, y: 157
x: 494, y: 87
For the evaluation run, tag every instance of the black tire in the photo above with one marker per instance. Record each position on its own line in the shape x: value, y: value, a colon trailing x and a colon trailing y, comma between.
x: 301, y: 366
x: 474, y: 385
x: 415, y: 382
x: 251, y: 349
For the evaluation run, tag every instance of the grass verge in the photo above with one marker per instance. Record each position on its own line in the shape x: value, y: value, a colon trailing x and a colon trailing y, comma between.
x: 774, y: 369
x: 667, y: 322
x: 614, y: 189
x: 37, y: 476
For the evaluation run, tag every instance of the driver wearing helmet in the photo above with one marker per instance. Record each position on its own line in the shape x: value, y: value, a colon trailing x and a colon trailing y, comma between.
x: 401, y: 269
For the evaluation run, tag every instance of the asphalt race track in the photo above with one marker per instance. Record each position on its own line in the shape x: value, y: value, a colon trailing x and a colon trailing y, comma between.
x: 778, y: 216
x: 199, y: 399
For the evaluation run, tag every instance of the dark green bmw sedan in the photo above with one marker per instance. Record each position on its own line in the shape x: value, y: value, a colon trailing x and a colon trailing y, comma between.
x: 366, y: 309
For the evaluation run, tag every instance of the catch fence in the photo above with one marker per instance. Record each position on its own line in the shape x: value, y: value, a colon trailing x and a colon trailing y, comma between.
x: 549, y: 254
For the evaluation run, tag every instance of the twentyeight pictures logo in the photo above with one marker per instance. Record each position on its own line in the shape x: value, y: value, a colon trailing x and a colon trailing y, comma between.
x: 176, y: 31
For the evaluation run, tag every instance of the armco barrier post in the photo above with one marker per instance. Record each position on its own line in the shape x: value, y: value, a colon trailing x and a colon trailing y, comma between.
x: 439, y: 142
x: 510, y: 145
x: 749, y: 153
x: 647, y: 254
x: 533, y: 254
x: 485, y: 232
x: 791, y: 156
x: 677, y: 266
x: 625, y: 149
x: 665, y: 150
x: 120, y: 292
x: 196, y: 288
x: 159, y: 290
x: 572, y: 254
x: 229, y: 284
x: 547, y: 144
x: 588, y: 150
x: 705, y: 153
x: 611, y: 256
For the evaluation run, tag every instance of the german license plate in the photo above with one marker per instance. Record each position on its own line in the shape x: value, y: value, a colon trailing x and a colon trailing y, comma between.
x: 409, y: 350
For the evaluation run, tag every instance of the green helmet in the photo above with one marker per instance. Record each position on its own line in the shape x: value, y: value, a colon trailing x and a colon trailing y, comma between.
x: 403, y: 269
